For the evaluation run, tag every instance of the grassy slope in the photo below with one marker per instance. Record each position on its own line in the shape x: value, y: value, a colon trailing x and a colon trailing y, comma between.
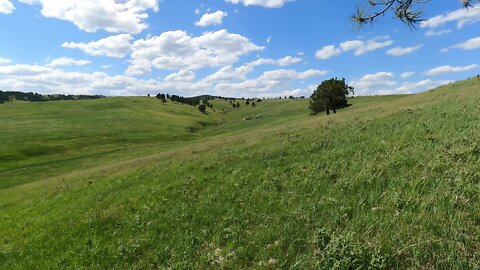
x: 46, y: 139
x: 381, y: 184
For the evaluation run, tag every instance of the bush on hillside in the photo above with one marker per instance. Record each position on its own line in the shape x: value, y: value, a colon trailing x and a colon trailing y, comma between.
x: 202, y: 108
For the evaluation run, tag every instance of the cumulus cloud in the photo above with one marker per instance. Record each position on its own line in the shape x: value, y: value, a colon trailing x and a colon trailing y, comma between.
x: 52, y: 80
x: 449, y: 69
x: 263, y: 3
x: 6, y: 7
x: 470, y: 44
x: 359, y: 47
x: 181, y: 76
x: 65, y: 61
x: 406, y: 75
x: 214, y: 18
x: 415, y: 87
x: 399, y: 51
x: 432, y: 33
x: 177, y: 50
x: 371, y: 83
x: 384, y: 83
x: 92, y: 15
x: 288, y: 60
x: 231, y: 74
x: 4, y: 61
x: 23, y: 70
x: 327, y: 52
x: 273, y: 81
x: 114, y: 46
x: 462, y: 17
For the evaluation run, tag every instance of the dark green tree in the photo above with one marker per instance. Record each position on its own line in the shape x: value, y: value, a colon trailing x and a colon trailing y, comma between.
x: 330, y: 95
x: 407, y: 11
x: 162, y: 98
x: 202, y: 108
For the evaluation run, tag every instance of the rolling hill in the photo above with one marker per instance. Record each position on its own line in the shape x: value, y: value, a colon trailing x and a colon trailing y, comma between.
x: 390, y: 182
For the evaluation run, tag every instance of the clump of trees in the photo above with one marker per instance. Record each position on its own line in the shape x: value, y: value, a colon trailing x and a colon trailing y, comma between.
x: 330, y: 95
x: 162, y: 97
x: 35, y: 97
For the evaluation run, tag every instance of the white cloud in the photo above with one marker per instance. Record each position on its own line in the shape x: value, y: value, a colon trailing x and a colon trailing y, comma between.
x: 358, y: 46
x: 449, y: 69
x: 470, y: 44
x: 231, y: 74
x: 432, y: 33
x: 64, y: 61
x: 327, y: 52
x: 288, y: 60
x: 23, y: 70
x: 45, y: 79
x: 274, y: 81
x: 384, y: 83
x: 462, y: 17
x: 4, y: 61
x: 181, y: 76
x: 415, y: 87
x: 399, y: 51
x: 371, y: 83
x: 176, y: 50
x: 263, y: 3
x: 406, y: 75
x: 92, y: 15
x: 214, y: 18
x: 114, y: 46
x: 6, y: 7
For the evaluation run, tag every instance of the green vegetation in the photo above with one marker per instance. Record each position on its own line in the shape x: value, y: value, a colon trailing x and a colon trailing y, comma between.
x: 330, y: 95
x: 390, y: 182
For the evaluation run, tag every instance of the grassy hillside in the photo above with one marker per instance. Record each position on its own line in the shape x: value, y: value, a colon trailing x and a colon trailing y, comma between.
x: 391, y: 182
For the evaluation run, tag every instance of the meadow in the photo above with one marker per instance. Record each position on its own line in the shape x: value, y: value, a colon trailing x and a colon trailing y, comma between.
x: 392, y: 182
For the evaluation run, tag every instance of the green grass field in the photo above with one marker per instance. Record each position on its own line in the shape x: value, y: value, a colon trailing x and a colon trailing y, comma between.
x: 391, y: 182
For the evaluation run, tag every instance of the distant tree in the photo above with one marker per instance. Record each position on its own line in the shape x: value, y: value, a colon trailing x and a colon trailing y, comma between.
x: 253, y: 104
x: 291, y: 97
x: 202, y: 108
x: 407, y: 11
x: 259, y: 100
x: 234, y: 105
x: 238, y: 105
x: 248, y: 102
x: 330, y: 95
x: 148, y: 95
x: 162, y: 98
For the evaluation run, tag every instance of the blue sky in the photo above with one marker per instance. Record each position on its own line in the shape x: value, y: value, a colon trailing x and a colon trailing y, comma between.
x: 228, y: 47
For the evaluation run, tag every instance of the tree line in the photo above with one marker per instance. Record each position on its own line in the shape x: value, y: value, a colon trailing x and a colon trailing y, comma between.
x: 6, y: 96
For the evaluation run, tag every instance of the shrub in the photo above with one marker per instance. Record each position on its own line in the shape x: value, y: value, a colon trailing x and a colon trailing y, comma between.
x: 202, y: 108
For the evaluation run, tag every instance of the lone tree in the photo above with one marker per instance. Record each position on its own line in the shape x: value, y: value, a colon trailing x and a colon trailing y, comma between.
x: 405, y: 10
x: 330, y: 95
x: 202, y: 108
